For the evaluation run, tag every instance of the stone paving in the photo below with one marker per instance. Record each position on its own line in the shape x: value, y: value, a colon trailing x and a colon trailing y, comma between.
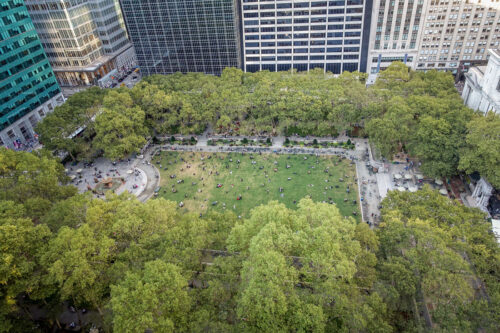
x: 84, y: 176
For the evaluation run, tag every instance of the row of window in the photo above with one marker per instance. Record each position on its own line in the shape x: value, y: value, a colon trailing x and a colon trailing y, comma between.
x: 302, y: 4
x: 335, y: 68
x: 40, y: 99
x: 303, y: 20
x: 303, y: 13
x: 317, y: 42
x: 304, y: 50
x: 289, y: 36
x: 391, y: 59
x: 304, y: 58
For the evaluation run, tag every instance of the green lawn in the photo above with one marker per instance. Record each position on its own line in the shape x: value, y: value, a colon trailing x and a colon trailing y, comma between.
x: 257, y: 179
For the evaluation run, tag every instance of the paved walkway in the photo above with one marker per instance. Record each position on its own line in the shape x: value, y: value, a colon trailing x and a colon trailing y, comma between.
x: 141, y: 182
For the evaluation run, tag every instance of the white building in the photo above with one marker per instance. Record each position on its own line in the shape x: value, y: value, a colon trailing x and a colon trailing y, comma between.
x: 482, y: 85
x: 305, y: 34
x: 83, y: 39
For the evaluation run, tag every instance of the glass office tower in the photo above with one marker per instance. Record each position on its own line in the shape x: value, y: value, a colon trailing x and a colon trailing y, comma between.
x: 183, y: 35
x: 85, y: 40
x: 28, y: 87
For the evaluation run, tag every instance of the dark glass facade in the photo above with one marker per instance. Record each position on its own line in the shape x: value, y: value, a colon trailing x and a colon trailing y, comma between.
x: 183, y: 35
x: 26, y: 78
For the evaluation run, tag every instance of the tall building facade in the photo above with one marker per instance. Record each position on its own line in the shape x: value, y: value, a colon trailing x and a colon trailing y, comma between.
x: 396, y: 33
x: 447, y: 35
x: 84, y: 39
x: 184, y: 35
x: 283, y: 34
x: 28, y: 87
x: 457, y: 34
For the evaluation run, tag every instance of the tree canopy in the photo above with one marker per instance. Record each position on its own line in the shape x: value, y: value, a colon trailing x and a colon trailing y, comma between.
x: 482, y: 150
x: 438, y: 258
x: 432, y: 264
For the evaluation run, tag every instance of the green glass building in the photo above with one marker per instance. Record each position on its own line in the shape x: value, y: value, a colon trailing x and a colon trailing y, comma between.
x: 28, y: 87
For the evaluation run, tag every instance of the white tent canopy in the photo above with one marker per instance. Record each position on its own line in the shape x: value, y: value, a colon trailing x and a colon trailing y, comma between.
x: 408, y: 176
x: 400, y: 188
x: 443, y: 191
x: 398, y: 176
x: 438, y: 181
x: 413, y: 189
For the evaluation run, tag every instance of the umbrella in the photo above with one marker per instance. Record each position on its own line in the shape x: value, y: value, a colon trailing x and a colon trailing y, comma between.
x: 443, y: 191
x: 408, y: 176
x: 79, y: 171
x: 130, y: 171
x: 413, y: 189
x: 66, y: 170
x: 419, y: 177
x: 398, y: 176
x: 400, y: 188
x: 438, y: 181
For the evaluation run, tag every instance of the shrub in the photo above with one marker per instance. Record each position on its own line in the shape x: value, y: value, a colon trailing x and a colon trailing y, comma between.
x: 348, y: 142
x: 287, y: 141
x: 268, y: 141
x: 172, y: 138
x: 315, y: 142
x: 244, y: 141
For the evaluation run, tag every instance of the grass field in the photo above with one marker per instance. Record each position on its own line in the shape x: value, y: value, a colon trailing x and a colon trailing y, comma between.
x: 257, y: 179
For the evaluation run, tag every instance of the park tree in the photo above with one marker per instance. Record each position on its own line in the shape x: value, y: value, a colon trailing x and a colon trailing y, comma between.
x: 392, y: 130
x: 21, y: 244
x: 311, y: 253
x: 77, y: 262
x: 161, y: 108
x: 120, y: 128
x: 394, y: 78
x: 155, y: 298
x: 482, y: 151
x: 35, y: 180
x: 70, y: 212
x: 434, y: 251
x: 433, y: 144
x: 60, y: 129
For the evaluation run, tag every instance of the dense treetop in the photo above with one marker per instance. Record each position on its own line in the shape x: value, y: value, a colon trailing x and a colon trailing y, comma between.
x: 432, y: 265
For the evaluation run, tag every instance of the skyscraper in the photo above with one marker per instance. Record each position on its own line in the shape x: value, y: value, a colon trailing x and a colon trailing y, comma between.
x: 28, y: 87
x: 84, y: 39
x: 306, y: 34
x: 184, y: 35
